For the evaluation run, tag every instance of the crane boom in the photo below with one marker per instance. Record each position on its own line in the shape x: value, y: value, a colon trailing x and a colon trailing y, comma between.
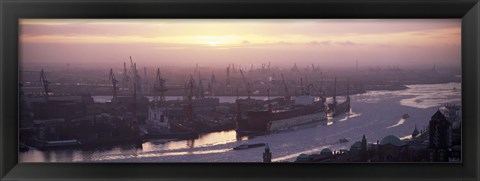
x: 247, y: 84
x: 45, y: 82
x: 160, y: 86
x: 243, y: 77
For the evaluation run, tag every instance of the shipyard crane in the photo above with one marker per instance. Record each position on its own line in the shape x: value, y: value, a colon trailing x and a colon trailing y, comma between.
x: 126, y: 78
x: 287, y: 96
x: 132, y: 75
x: 145, y: 80
x: 131, y: 61
x: 200, y: 92
x: 114, y: 83
x: 243, y: 77
x: 228, y: 76
x: 45, y: 83
x: 160, y: 86
x: 248, y: 85
x: 213, y: 79
x: 294, y: 68
x: 212, y: 84
x: 191, y: 86
x: 136, y: 79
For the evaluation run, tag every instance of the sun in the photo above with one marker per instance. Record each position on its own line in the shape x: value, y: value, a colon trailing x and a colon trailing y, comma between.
x: 217, y: 40
x: 212, y: 44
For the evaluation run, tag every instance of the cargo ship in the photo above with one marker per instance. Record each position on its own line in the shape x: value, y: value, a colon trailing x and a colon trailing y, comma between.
x: 304, y: 111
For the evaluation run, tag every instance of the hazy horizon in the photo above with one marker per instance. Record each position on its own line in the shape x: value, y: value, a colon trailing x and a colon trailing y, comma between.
x: 217, y: 43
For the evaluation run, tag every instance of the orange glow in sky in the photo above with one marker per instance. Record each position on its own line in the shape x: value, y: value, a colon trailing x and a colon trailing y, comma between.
x: 213, y: 42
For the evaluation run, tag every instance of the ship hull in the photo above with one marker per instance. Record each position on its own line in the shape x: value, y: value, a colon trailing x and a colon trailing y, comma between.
x: 285, y: 124
x: 266, y: 121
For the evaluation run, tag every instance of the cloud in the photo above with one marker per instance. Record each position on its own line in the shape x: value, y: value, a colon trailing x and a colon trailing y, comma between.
x: 245, y: 42
x: 316, y: 43
x: 346, y: 43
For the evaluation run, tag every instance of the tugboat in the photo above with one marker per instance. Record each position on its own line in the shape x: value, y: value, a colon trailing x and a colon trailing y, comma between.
x: 343, y: 140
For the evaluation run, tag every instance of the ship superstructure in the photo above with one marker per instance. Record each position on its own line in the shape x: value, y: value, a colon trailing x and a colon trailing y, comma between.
x: 336, y: 108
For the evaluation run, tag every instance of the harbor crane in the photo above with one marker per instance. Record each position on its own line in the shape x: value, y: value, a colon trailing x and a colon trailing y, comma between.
x: 45, y: 83
x: 136, y: 79
x: 191, y: 85
x: 160, y: 86
x: 145, y: 79
x: 212, y: 84
x: 126, y: 78
x: 287, y: 96
x: 228, y: 76
x: 247, y: 84
x: 114, y: 84
x: 200, y: 91
x: 294, y: 68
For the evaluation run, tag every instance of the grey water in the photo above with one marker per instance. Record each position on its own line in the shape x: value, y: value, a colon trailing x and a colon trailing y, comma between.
x: 375, y: 114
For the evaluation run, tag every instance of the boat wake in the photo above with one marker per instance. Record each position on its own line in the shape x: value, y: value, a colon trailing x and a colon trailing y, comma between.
x: 160, y: 154
x: 400, y: 122
x: 294, y: 155
x: 350, y: 115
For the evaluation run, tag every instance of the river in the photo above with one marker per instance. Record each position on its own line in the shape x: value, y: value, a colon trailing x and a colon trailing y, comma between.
x: 375, y: 114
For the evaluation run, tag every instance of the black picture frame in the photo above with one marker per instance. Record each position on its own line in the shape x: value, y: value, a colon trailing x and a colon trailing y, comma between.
x: 12, y: 10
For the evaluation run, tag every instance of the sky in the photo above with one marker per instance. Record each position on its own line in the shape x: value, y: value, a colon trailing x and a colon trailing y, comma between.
x: 217, y: 43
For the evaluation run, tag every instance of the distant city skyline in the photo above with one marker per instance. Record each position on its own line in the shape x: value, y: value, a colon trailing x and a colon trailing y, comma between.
x: 217, y: 43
